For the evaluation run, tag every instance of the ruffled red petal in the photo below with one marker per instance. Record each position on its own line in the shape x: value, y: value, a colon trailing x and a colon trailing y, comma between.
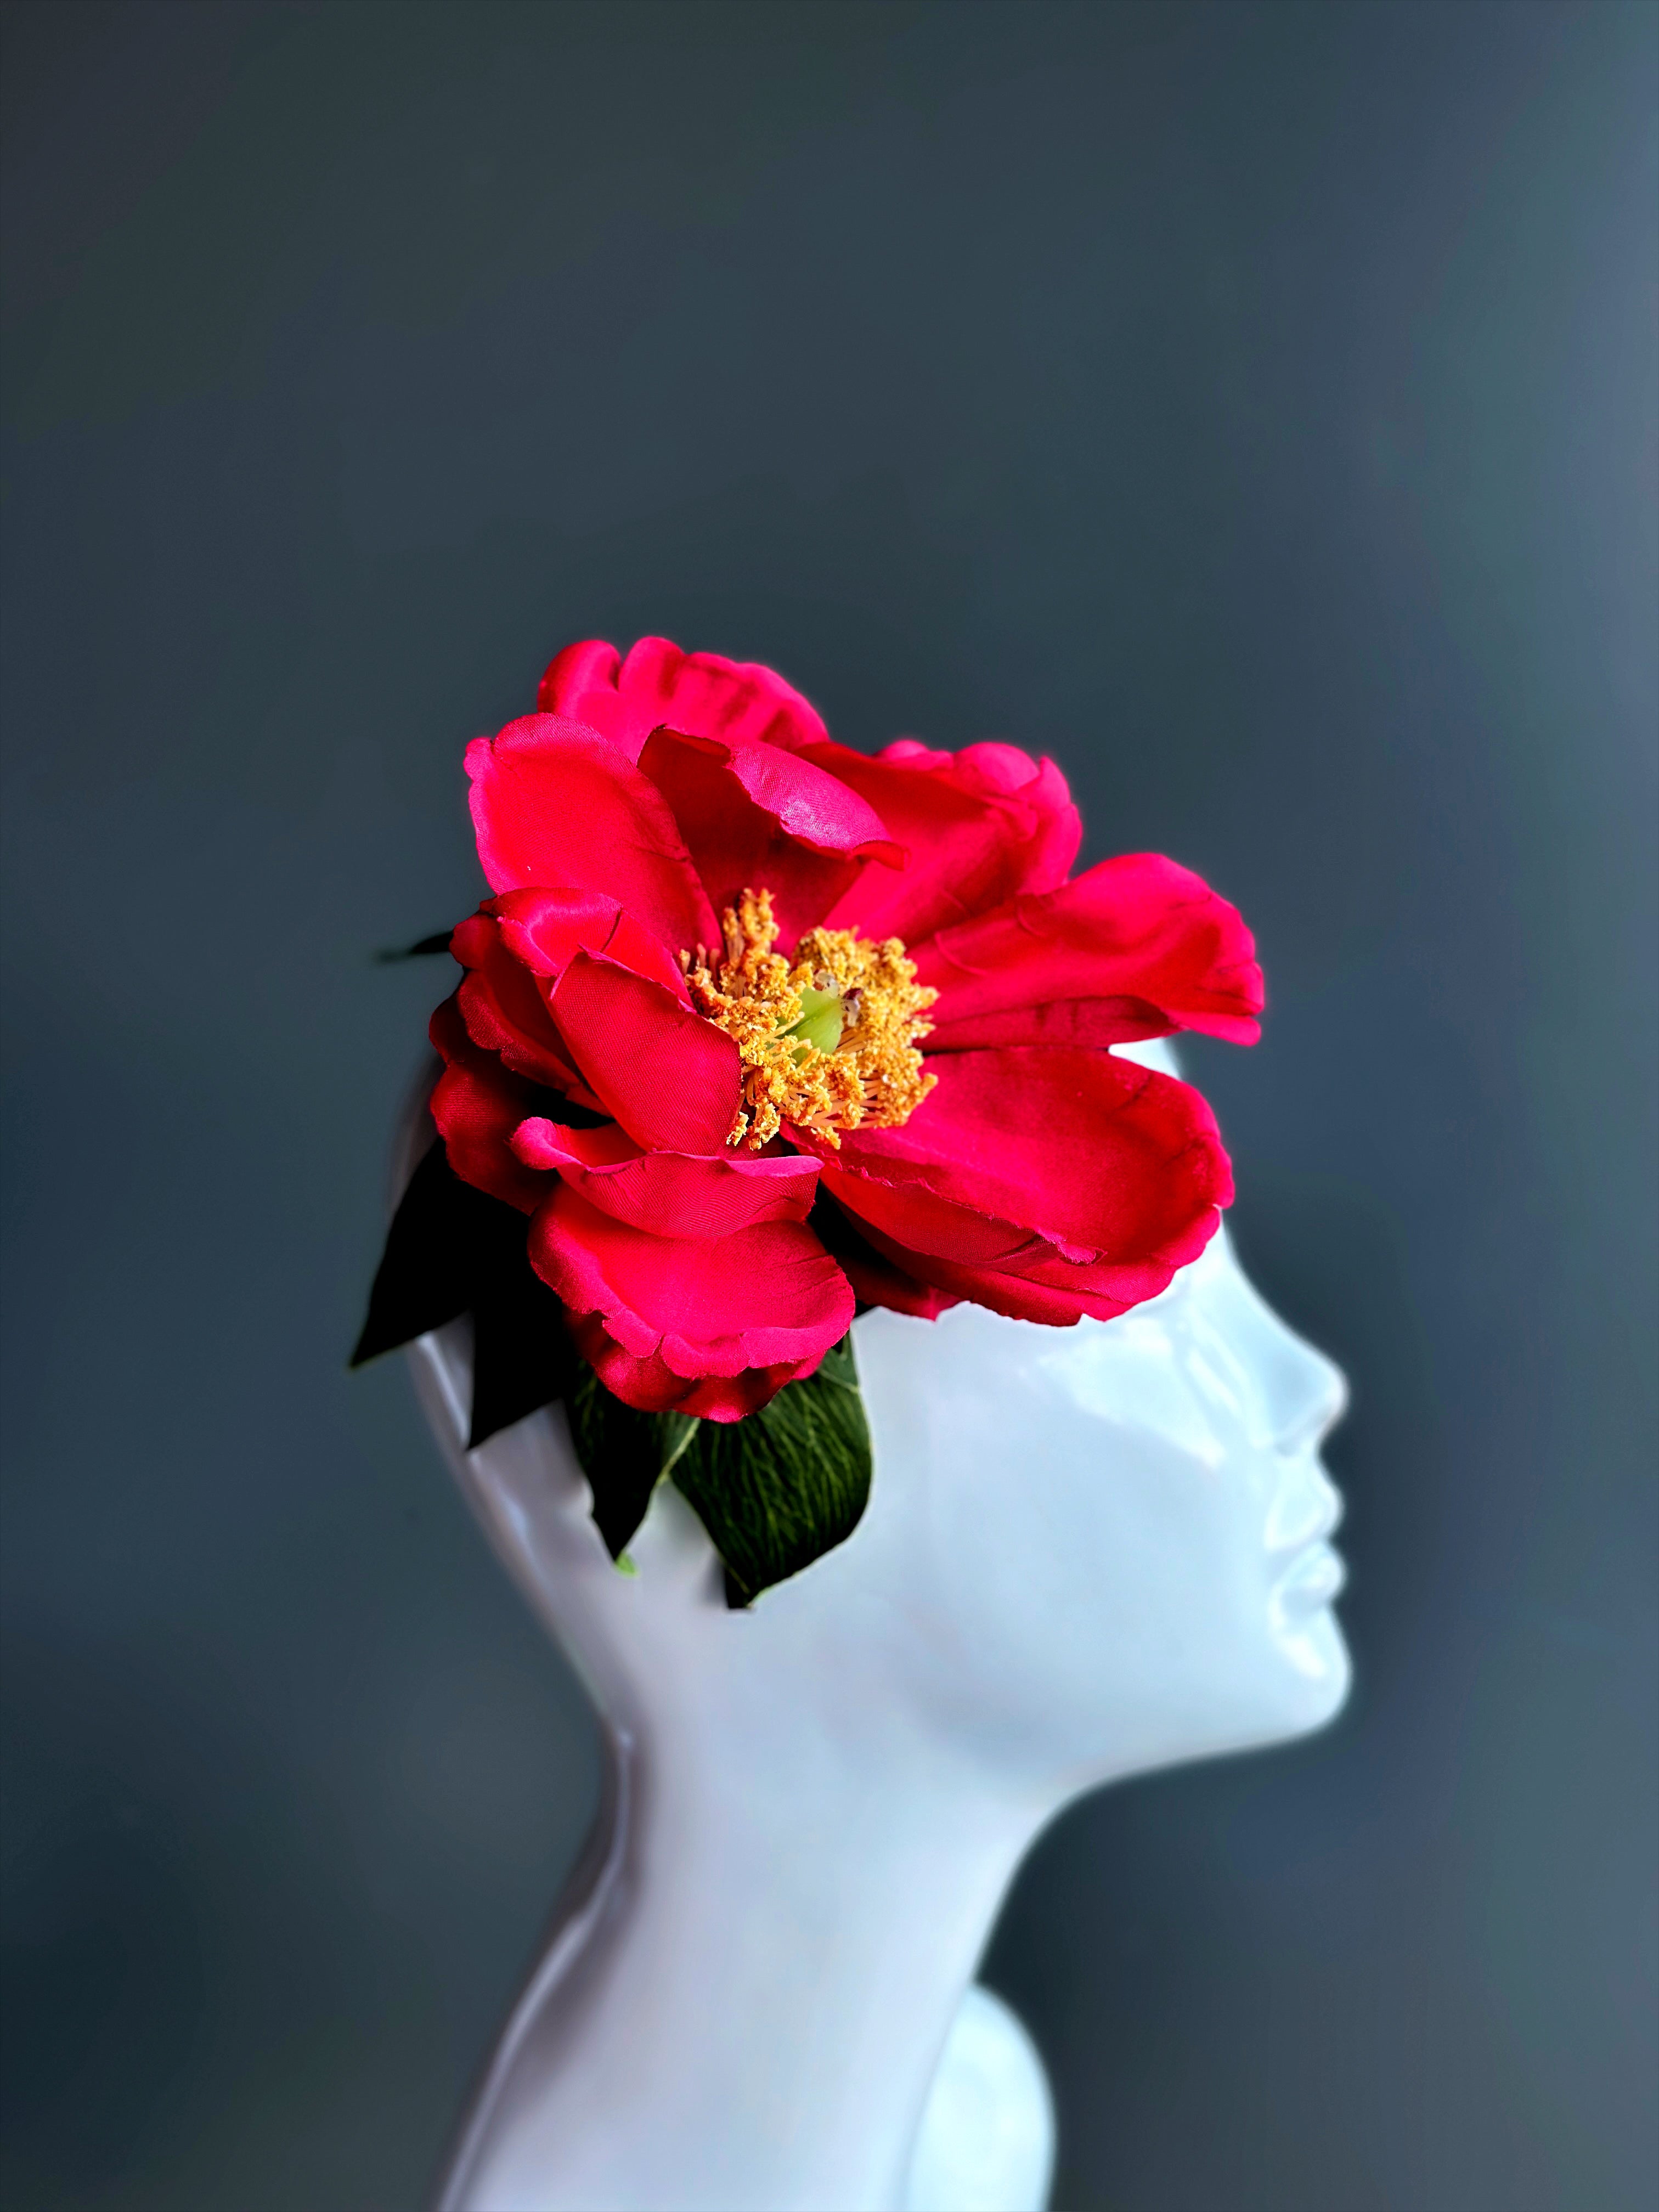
x: 980, y: 825
x: 673, y: 1079
x: 546, y: 928
x: 478, y: 1104
x: 1021, y: 1277
x: 703, y: 693
x: 515, y: 947
x: 671, y: 1193
x: 1086, y: 1179
x: 1134, y: 948
x: 878, y: 1278
x: 555, y: 806
x: 505, y: 1006
x: 755, y: 815
x: 764, y: 1296
x: 652, y: 1386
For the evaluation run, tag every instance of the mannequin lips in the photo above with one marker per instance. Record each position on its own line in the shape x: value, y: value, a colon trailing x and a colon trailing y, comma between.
x: 1311, y: 1581
x: 1307, y: 1508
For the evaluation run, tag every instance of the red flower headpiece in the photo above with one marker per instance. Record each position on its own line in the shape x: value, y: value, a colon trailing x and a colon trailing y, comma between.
x: 756, y: 1028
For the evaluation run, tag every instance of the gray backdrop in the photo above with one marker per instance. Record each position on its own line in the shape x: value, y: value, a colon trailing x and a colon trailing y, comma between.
x: 1254, y: 406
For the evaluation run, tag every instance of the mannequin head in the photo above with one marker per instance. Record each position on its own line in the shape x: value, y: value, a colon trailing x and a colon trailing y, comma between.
x: 1087, y: 1552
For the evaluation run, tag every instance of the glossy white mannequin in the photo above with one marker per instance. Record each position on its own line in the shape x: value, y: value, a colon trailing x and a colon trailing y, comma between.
x: 1088, y: 1552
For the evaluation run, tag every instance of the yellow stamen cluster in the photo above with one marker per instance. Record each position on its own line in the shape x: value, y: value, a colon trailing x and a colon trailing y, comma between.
x: 827, y: 1039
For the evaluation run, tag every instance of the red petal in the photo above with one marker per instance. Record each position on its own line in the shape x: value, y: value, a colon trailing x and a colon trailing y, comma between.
x: 980, y: 825
x: 700, y: 692
x: 754, y: 815
x: 671, y: 1193
x: 505, y: 1006
x: 544, y: 929
x: 1085, y: 1178
x: 1031, y: 1282
x: 673, y: 1079
x: 516, y: 947
x: 476, y: 1106
x: 653, y: 1386
x: 1134, y: 948
x: 877, y: 1278
x: 764, y: 1296
x: 555, y: 806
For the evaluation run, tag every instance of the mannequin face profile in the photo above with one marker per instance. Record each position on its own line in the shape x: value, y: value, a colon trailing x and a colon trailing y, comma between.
x: 1117, y: 1549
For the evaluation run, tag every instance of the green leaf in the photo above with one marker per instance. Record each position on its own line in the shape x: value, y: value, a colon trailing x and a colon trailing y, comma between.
x: 452, y: 1249
x: 777, y: 1491
x: 774, y: 1491
x: 624, y: 1454
x: 424, y: 948
x: 522, y: 1355
x: 445, y: 1239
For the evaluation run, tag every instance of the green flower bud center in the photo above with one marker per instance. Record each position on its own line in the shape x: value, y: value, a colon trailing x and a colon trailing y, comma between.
x: 823, y: 1017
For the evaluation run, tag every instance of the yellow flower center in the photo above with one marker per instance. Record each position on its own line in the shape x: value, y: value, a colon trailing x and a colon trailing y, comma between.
x: 827, y: 1039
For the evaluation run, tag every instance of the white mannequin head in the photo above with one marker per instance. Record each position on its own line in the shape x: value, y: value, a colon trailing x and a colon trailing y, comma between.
x: 1087, y: 1552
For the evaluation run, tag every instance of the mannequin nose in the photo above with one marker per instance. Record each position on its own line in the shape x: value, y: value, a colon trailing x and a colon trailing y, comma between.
x: 1308, y: 1396
x: 1295, y: 1395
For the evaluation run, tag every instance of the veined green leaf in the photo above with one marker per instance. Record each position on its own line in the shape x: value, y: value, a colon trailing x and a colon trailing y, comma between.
x: 624, y: 1454
x: 777, y: 1491
x: 774, y: 1491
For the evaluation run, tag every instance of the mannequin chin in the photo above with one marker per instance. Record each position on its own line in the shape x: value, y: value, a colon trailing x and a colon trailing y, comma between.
x: 1088, y: 1552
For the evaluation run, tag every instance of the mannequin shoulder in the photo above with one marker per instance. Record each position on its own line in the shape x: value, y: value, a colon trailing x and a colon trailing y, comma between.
x: 986, y: 2139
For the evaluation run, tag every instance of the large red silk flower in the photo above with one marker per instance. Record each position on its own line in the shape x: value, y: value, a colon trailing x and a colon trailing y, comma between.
x: 1044, y: 1177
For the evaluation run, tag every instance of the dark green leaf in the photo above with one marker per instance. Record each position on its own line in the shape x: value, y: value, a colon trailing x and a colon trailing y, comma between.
x: 422, y: 948
x: 624, y: 1454
x: 452, y: 1248
x: 777, y: 1491
x: 522, y: 1355
x: 444, y: 1238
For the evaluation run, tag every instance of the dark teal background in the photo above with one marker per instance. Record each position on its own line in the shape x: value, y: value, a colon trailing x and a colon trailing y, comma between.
x: 1254, y: 406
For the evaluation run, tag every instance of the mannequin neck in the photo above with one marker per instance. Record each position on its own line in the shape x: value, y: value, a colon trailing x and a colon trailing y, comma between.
x: 749, y: 2010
